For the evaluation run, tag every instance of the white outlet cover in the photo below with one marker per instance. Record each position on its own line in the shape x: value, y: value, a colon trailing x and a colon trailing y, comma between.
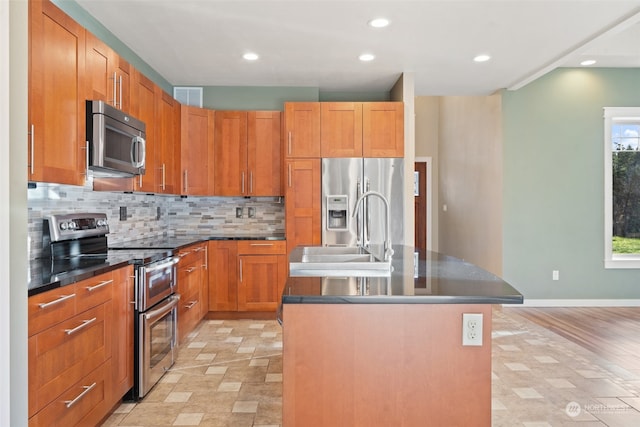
x: 472, y: 329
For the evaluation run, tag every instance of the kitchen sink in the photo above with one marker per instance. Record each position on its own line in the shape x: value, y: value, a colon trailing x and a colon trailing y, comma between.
x: 332, y: 261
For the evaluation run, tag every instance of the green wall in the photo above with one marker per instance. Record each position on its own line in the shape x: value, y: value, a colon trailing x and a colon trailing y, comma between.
x: 254, y: 97
x: 553, y: 184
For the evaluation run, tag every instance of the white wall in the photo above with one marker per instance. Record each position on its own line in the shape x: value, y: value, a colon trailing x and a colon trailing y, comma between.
x: 13, y: 215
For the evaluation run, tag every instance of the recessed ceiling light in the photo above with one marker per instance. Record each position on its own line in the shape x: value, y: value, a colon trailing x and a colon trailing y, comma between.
x: 588, y: 62
x: 482, y: 58
x: 365, y: 57
x: 379, y: 22
x: 250, y: 56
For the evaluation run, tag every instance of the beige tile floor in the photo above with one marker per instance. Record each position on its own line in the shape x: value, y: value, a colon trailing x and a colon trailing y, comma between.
x: 229, y: 373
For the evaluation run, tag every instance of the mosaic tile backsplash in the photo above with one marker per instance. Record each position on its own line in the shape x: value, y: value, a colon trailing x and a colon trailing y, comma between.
x: 178, y: 216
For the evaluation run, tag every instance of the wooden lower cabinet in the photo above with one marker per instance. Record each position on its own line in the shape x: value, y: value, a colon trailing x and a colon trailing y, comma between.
x: 246, y: 275
x: 192, y: 277
x: 262, y: 270
x: 80, y: 350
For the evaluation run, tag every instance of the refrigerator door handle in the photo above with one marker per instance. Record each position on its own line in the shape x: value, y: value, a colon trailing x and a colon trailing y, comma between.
x: 367, y: 216
x: 359, y: 192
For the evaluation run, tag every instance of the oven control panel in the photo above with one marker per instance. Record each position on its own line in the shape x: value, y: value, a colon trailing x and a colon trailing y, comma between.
x: 75, y: 226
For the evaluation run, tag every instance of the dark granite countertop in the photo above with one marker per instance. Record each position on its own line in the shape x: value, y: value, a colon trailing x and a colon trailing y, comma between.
x: 441, y: 279
x: 45, y: 275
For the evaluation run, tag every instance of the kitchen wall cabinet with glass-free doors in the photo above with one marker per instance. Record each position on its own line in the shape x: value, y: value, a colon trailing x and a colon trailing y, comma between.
x: 196, y: 151
x: 57, y: 148
x: 246, y: 275
x: 247, y: 153
x: 362, y: 129
x: 108, y: 76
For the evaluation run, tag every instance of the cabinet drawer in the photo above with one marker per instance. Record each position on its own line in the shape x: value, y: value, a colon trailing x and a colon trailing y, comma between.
x: 63, y: 354
x: 83, y: 404
x: 93, y: 292
x: 192, y: 254
x: 189, y: 278
x: 51, y: 307
x: 188, y: 314
x: 260, y: 247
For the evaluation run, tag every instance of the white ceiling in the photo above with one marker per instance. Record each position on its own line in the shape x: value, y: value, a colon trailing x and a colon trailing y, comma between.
x: 316, y: 43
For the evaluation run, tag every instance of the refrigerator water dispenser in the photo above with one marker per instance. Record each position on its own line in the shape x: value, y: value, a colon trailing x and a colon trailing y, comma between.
x: 337, y: 212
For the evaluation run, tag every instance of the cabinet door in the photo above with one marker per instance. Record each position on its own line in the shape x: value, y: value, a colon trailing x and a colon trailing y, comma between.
x: 197, y: 127
x: 302, y: 203
x: 341, y: 131
x: 302, y: 129
x: 264, y: 153
x: 231, y: 177
x: 122, y: 333
x: 168, y: 139
x: 143, y: 107
x: 260, y: 281
x: 223, y: 276
x: 123, y: 73
x: 383, y: 129
x: 57, y: 149
x: 100, y: 74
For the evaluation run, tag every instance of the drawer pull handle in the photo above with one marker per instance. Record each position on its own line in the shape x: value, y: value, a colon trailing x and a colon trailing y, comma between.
x: 261, y: 244
x: 191, y: 269
x: 87, y: 389
x: 190, y: 305
x: 56, y: 301
x: 199, y: 249
x: 99, y: 285
x: 82, y: 325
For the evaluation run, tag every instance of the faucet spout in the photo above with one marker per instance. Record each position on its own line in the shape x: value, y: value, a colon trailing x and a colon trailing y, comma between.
x: 388, y: 252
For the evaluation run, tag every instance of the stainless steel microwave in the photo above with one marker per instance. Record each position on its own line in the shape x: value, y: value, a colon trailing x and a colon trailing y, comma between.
x: 116, y: 141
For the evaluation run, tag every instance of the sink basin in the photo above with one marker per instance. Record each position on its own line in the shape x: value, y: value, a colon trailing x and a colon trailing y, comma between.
x: 336, y: 261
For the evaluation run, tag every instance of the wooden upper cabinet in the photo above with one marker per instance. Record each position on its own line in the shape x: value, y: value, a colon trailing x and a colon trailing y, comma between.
x: 302, y: 203
x: 302, y: 129
x: 196, y: 153
x: 341, y: 129
x: 57, y: 148
x: 167, y: 143
x: 108, y: 76
x: 383, y: 129
x: 247, y: 153
x: 231, y: 177
x: 264, y: 153
x: 143, y: 107
x: 362, y: 129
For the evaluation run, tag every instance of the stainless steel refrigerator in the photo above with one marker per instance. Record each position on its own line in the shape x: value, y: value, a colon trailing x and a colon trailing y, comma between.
x: 344, y: 180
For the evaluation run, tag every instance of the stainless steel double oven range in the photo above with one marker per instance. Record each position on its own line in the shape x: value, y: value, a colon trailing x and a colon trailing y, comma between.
x: 79, y: 241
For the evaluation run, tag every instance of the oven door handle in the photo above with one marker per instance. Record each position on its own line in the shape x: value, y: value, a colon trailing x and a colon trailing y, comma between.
x: 152, y: 315
x: 160, y: 265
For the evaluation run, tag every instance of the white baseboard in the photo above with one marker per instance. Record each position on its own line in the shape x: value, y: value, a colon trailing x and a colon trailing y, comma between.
x: 577, y: 303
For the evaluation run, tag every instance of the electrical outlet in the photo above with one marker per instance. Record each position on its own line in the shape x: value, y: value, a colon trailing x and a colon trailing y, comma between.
x: 158, y: 213
x: 123, y: 213
x: 251, y: 212
x: 238, y: 212
x: 555, y: 274
x: 472, y: 329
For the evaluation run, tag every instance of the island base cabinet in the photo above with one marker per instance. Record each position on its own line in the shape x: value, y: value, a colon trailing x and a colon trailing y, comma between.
x: 384, y: 365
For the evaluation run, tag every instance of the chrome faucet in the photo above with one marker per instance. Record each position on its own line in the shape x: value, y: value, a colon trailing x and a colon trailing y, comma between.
x: 388, y: 252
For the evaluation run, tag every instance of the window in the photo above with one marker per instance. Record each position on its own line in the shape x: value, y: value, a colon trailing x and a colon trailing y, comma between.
x: 622, y: 187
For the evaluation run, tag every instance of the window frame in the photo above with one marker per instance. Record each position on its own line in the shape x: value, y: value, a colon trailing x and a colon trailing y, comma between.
x: 611, y: 260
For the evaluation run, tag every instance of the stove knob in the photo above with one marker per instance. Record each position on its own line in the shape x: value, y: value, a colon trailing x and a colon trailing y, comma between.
x: 72, y: 225
x: 63, y: 226
x: 102, y: 223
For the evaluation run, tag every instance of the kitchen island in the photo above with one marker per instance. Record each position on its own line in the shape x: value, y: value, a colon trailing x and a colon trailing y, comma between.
x: 382, y: 351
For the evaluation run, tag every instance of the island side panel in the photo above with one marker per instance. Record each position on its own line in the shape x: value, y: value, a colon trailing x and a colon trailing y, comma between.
x: 384, y: 364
